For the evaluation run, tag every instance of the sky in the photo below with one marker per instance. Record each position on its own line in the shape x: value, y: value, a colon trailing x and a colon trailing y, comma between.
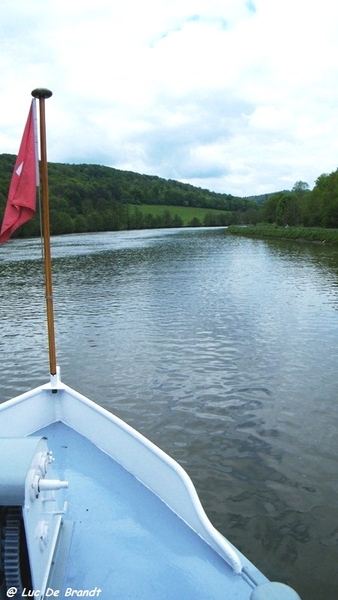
x: 236, y: 96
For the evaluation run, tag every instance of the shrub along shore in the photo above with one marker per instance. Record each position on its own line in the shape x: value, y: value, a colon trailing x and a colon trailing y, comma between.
x: 314, y: 235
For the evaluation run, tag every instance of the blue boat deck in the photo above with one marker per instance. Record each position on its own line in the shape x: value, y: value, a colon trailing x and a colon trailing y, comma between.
x: 126, y: 541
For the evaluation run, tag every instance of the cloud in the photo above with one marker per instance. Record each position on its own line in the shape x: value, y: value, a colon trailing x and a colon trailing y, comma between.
x: 236, y: 95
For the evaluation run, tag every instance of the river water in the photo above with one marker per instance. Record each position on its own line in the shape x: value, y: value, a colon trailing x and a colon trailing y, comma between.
x: 223, y: 351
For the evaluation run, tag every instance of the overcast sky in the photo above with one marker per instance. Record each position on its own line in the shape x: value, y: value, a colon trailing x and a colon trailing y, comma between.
x: 237, y: 96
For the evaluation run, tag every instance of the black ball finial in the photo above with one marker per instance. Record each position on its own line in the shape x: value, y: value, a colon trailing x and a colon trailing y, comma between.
x: 41, y: 93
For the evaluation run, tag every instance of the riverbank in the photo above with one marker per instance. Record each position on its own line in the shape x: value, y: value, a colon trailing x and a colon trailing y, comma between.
x: 314, y: 235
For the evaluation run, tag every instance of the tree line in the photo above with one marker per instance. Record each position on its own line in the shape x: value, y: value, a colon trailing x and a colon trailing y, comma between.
x: 301, y: 206
x: 89, y: 197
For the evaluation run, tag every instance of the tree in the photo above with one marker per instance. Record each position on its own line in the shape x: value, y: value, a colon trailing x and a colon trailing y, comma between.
x: 195, y: 222
x: 301, y: 187
x: 287, y: 210
x: 252, y: 216
x: 60, y: 222
x: 319, y: 207
x: 269, y: 209
x: 80, y: 224
x: 177, y: 221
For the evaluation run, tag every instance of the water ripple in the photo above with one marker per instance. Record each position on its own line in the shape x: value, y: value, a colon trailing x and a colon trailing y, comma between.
x: 223, y: 351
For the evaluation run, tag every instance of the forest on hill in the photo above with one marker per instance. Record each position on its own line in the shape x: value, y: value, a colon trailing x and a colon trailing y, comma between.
x: 88, y: 197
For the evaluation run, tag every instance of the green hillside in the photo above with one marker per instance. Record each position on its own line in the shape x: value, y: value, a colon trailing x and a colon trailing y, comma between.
x: 98, y: 198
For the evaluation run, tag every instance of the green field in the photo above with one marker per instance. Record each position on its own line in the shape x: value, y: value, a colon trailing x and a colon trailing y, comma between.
x: 186, y: 213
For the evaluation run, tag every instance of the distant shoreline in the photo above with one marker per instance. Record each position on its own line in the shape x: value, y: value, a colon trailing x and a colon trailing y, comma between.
x: 312, y: 235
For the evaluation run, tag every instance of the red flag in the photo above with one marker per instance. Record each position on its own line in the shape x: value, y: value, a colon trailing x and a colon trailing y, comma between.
x: 22, y: 192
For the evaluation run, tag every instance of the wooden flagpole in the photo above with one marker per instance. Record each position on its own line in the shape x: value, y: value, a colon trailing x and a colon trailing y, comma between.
x: 42, y: 94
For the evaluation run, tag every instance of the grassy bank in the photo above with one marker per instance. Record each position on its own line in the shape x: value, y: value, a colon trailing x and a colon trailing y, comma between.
x: 298, y: 234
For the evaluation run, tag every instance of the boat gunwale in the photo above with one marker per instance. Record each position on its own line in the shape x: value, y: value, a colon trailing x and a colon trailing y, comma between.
x: 138, y: 455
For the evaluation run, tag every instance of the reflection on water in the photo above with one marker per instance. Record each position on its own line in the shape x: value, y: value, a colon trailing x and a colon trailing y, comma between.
x: 220, y: 349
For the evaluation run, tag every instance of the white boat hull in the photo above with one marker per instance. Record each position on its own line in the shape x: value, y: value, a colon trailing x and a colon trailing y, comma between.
x: 134, y: 527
